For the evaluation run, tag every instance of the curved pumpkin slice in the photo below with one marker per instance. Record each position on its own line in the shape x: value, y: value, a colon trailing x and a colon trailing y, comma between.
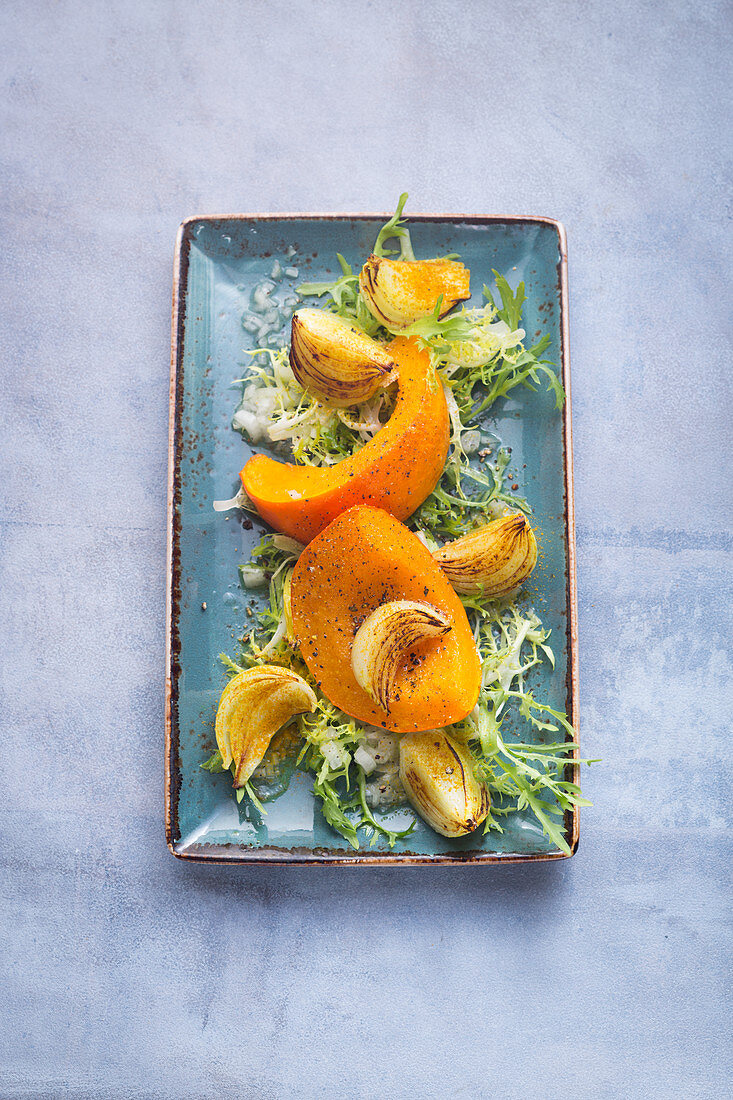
x: 398, y: 292
x: 362, y: 560
x: 396, y: 470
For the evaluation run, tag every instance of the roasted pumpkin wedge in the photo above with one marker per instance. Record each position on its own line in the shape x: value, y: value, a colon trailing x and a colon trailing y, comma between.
x: 396, y: 470
x: 363, y: 560
x: 398, y: 292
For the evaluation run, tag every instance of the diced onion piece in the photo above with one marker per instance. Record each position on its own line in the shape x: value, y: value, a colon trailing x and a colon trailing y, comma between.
x: 366, y: 762
x: 245, y: 420
x: 253, y: 576
x: 335, y: 755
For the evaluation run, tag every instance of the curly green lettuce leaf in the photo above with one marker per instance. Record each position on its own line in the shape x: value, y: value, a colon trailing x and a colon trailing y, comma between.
x: 511, y: 302
x: 519, y: 775
x: 343, y: 291
x: 438, y: 334
x: 214, y: 764
x: 395, y: 228
x: 526, y: 775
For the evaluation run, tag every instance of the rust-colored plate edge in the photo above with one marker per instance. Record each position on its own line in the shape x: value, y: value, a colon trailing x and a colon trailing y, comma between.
x: 572, y: 818
x: 180, y: 265
x: 220, y: 854
x: 455, y: 219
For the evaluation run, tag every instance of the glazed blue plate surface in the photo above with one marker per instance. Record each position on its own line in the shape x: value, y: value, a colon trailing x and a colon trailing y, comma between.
x: 219, y: 261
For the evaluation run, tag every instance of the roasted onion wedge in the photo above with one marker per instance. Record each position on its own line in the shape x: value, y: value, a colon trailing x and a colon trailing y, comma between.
x: 436, y: 772
x: 334, y: 360
x: 491, y: 561
x: 385, y: 637
x: 253, y: 707
x: 399, y: 292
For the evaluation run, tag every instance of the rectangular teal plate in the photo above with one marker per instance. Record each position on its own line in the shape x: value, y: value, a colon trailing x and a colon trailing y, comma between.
x: 218, y: 262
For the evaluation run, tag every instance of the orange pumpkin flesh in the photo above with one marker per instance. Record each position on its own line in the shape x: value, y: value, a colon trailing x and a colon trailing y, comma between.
x: 363, y: 559
x: 396, y: 470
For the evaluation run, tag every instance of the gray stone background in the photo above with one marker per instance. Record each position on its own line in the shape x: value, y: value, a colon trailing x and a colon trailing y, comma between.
x: 129, y: 974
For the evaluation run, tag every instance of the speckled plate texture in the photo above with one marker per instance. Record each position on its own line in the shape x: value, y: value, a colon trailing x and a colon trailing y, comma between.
x: 219, y: 260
